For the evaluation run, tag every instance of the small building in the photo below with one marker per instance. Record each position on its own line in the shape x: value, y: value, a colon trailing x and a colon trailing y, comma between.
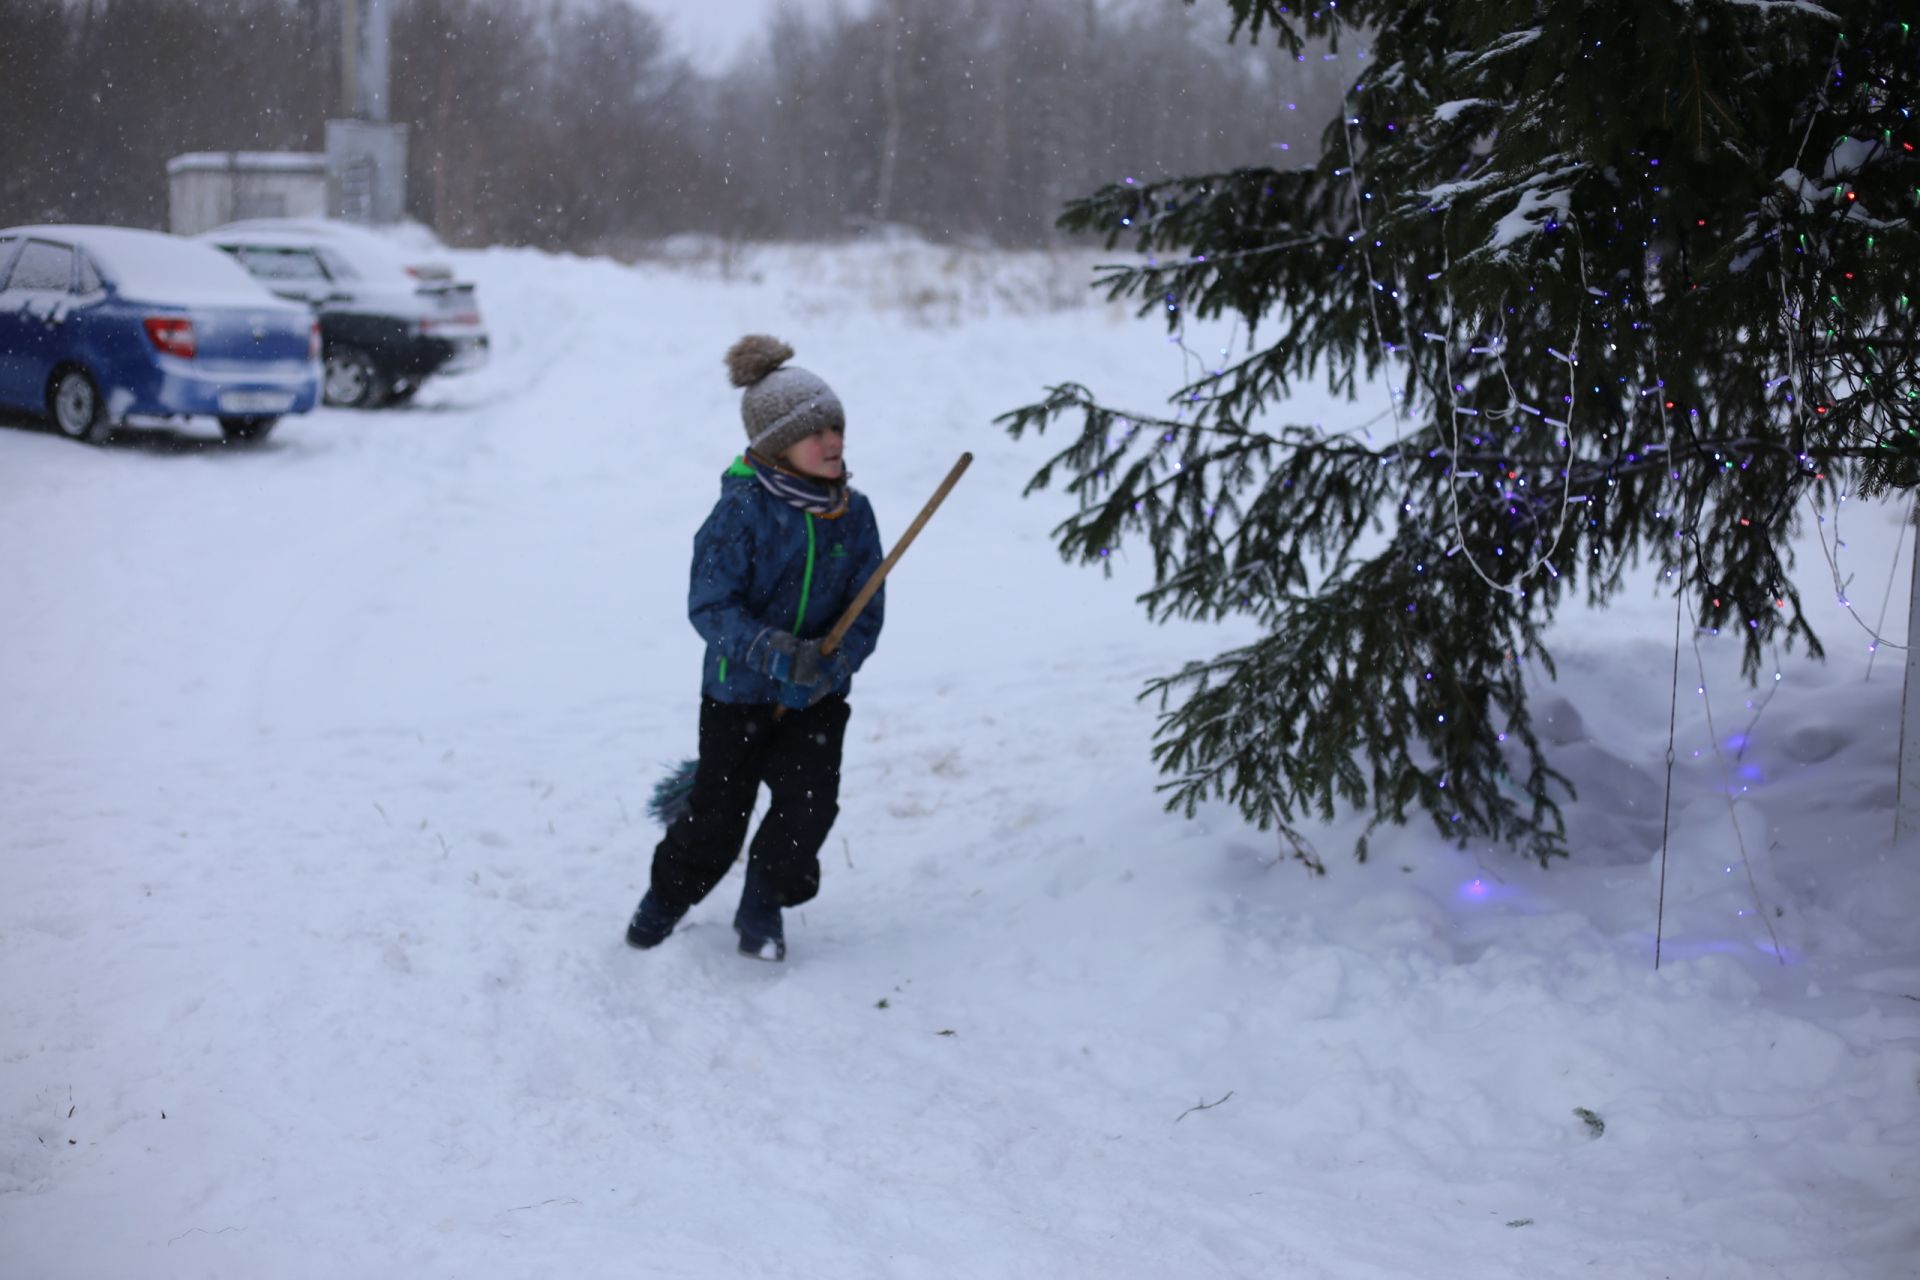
x: 208, y: 188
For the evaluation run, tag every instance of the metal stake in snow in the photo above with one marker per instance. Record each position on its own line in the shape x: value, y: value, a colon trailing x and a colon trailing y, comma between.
x: 1906, y: 809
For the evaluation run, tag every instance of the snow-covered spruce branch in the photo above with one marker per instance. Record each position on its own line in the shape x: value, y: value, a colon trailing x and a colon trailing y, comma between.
x: 1654, y: 276
x: 1337, y: 707
x: 1107, y: 460
x: 1123, y: 278
x: 1238, y: 521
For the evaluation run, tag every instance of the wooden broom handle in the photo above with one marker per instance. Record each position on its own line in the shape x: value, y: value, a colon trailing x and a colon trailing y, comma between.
x: 840, y: 628
x: 879, y: 575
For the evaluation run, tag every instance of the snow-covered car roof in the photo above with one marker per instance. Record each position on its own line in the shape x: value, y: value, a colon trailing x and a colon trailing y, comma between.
x: 152, y: 266
x: 379, y: 269
x: 363, y: 247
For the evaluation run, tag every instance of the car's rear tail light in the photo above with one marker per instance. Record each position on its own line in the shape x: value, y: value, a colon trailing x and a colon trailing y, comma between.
x: 173, y: 335
x: 313, y: 341
x: 457, y: 321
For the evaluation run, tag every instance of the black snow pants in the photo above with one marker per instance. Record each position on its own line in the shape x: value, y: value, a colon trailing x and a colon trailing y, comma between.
x: 742, y: 746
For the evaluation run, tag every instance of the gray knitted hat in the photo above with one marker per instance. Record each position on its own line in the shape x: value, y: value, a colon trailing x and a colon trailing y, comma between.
x: 783, y: 404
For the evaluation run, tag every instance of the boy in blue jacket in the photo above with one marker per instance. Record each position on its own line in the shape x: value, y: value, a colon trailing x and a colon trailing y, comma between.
x: 783, y: 553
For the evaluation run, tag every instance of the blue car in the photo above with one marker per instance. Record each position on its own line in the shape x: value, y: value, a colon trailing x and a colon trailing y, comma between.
x: 100, y: 324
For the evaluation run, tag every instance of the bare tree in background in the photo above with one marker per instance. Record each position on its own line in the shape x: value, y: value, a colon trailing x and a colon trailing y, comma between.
x: 571, y: 124
x: 895, y: 25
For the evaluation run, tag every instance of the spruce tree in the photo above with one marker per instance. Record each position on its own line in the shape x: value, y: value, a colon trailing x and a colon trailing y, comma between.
x: 1632, y: 278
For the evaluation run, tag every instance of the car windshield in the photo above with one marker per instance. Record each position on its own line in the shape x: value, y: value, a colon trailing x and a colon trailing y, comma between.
x: 337, y: 267
x: 271, y: 262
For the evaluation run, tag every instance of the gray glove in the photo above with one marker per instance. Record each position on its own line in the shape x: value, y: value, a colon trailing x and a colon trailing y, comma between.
x: 791, y: 660
x: 817, y: 671
x: 773, y: 652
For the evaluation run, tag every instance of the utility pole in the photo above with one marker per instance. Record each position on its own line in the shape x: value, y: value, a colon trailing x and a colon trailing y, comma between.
x: 349, y: 56
x: 366, y: 155
x: 366, y: 29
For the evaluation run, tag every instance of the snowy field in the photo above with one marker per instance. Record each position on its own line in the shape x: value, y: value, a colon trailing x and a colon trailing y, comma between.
x: 323, y: 769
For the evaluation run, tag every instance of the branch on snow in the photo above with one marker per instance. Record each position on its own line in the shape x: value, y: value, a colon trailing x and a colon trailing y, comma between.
x: 1204, y: 1106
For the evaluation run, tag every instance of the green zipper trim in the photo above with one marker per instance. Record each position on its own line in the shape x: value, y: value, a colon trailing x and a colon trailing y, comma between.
x: 739, y: 468
x: 806, y: 582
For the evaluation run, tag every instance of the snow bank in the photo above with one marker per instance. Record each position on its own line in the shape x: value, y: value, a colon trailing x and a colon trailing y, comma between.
x: 325, y: 792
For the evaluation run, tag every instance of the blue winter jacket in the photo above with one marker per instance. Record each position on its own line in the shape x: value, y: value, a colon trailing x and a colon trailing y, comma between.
x: 761, y: 565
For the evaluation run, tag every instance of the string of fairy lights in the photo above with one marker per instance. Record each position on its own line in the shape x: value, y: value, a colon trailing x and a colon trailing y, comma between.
x: 1511, y: 579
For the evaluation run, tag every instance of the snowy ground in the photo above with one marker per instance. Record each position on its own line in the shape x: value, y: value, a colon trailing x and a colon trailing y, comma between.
x: 323, y: 765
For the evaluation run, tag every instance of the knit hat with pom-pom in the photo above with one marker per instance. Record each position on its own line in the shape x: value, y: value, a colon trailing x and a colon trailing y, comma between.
x: 783, y: 404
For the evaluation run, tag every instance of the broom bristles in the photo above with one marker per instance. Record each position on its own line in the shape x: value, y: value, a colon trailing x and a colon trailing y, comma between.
x: 673, y: 794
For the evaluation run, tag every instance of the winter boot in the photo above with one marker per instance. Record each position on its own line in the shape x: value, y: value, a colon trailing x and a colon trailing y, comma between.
x: 651, y: 924
x: 758, y: 922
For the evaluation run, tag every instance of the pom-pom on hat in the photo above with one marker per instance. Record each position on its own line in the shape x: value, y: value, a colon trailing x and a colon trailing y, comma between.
x: 783, y: 404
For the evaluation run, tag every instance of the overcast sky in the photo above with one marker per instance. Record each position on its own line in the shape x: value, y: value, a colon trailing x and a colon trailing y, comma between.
x: 713, y: 32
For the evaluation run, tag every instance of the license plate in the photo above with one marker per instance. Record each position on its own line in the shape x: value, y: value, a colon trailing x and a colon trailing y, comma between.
x: 256, y: 401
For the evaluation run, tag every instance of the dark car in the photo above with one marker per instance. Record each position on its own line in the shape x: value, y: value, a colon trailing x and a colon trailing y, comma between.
x: 100, y: 324
x: 386, y: 324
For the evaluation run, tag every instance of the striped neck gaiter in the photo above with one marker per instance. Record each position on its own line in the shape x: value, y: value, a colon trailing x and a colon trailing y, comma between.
x: 823, y: 498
